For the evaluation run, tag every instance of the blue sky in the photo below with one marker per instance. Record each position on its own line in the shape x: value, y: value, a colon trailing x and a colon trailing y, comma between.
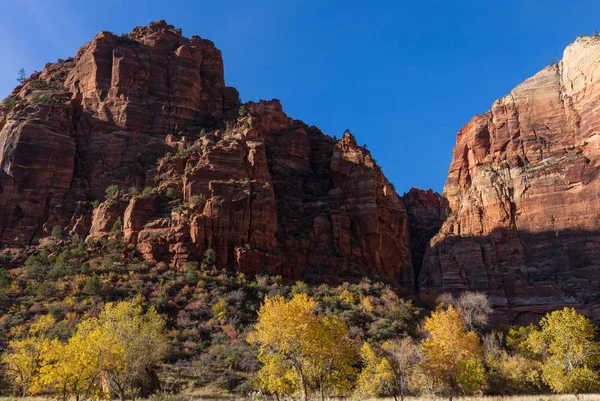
x: 403, y: 76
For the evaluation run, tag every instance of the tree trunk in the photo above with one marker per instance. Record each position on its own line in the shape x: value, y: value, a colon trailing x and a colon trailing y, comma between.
x: 303, y: 394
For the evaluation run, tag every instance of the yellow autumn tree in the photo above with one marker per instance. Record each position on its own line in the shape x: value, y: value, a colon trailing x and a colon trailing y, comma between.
x: 330, y: 363
x: 453, y: 356
x: 144, y: 343
x: 375, y: 376
x: 75, y: 368
x: 300, y: 349
x: 23, y: 358
x: 570, y: 356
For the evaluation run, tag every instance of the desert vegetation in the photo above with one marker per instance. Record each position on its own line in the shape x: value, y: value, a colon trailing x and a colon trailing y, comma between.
x: 89, y: 320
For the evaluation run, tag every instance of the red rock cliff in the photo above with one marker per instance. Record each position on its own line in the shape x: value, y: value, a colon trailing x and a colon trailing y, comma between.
x: 524, y: 195
x: 150, y: 113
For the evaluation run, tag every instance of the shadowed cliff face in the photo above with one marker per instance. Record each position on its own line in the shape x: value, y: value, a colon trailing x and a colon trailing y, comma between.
x: 151, y: 110
x: 523, y: 191
x: 525, y: 274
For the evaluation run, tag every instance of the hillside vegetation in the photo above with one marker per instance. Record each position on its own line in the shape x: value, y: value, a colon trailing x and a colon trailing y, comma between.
x: 215, y: 331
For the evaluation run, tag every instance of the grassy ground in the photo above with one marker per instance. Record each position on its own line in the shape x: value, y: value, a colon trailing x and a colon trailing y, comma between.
x: 200, y: 397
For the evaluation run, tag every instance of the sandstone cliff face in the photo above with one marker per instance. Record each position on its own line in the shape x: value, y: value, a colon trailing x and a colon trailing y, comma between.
x: 523, y: 191
x: 427, y: 212
x: 150, y: 113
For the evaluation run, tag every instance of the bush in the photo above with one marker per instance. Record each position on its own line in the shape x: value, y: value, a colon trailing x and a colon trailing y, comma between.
x: 171, y: 193
x: 148, y: 191
x: 93, y: 285
x: 191, y: 273
x: 209, y: 257
x: 117, y: 227
x: 57, y: 232
x: 196, y: 199
x: 45, y: 98
x: 40, y: 84
x: 10, y: 103
x: 111, y: 191
x: 164, y: 396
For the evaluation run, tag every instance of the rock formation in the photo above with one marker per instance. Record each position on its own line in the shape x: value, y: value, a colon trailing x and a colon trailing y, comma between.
x: 524, y: 195
x: 138, y: 138
x: 148, y: 115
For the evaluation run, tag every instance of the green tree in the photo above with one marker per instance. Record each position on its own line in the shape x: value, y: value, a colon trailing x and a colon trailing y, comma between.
x: 565, y: 342
x: 21, y: 77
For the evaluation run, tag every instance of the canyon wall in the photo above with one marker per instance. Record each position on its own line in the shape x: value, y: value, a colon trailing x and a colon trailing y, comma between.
x: 148, y: 115
x: 524, y: 196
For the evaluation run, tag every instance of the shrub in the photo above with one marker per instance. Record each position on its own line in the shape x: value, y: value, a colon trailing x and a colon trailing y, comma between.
x: 57, y: 232
x: 171, y: 193
x: 117, y: 227
x: 111, y: 191
x: 40, y: 84
x: 164, y: 396
x: 148, y: 191
x: 209, y: 257
x: 196, y: 199
x: 10, y: 103
x: 45, y: 98
x: 191, y: 273
x: 242, y: 111
x: 93, y: 285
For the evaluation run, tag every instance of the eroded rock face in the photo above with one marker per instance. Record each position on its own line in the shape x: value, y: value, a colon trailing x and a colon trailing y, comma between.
x: 427, y: 211
x: 149, y: 112
x: 523, y: 190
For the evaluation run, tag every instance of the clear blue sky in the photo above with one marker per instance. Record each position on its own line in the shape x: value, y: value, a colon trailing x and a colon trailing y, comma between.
x: 403, y: 76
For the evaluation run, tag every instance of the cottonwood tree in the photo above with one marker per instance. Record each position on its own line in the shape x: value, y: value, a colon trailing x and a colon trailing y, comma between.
x: 453, y: 355
x: 301, y: 349
x: 474, y: 308
x: 330, y: 362
x: 74, y: 368
x: 23, y: 358
x: 376, y: 375
x: 143, y: 339
x: 403, y: 358
x: 570, y: 356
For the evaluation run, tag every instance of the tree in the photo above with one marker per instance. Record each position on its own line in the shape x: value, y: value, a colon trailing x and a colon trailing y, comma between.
x: 330, y: 362
x: 23, y: 358
x: 403, y: 357
x: 283, y: 332
x: 473, y: 306
x: 565, y: 342
x: 144, y: 341
x: 75, y: 368
x: 300, y: 349
x: 21, y: 77
x: 453, y: 355
x: 376, y: 375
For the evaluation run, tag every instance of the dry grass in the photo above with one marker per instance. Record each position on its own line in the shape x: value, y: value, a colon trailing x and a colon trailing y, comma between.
x: 545, y: 397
